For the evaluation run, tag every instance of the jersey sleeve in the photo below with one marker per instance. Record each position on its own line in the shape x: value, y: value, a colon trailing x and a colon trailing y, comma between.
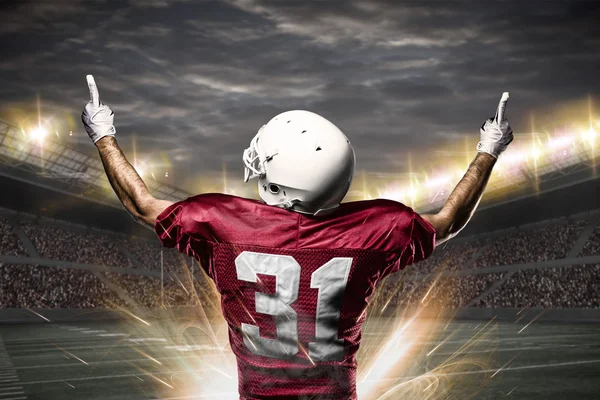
x: 412, y: 239
x: 185, y: 226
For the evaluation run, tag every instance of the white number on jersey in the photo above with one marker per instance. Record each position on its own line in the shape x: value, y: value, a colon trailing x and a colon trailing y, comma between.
x: 330, y: 279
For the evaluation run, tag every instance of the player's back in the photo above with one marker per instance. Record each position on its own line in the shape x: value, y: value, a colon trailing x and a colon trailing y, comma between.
x: 294, y: 288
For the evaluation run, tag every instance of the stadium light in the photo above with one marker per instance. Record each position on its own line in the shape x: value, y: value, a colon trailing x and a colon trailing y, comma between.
x: 535, y: 152
x: 436, y: 182
x: 392, y: 194
x: 139, y: 169
x: 560, y: 142
x: 412, y: 192
x: 589, y: 135
x: 38, y: 134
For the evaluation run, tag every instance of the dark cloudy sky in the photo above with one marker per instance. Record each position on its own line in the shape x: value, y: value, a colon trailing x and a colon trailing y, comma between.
x: 193, y: 81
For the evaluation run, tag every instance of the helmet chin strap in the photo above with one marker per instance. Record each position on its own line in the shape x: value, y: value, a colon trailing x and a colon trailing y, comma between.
x: 290, y: 205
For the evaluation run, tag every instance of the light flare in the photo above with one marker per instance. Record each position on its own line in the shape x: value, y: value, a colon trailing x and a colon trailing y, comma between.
x: 39, y: 315
x: 38, y: 134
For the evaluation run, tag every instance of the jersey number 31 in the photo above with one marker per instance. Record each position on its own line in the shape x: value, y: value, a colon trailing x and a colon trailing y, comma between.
x: 330, y: 280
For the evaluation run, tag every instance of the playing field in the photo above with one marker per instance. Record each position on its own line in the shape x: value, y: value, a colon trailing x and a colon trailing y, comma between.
x: 110, y: 360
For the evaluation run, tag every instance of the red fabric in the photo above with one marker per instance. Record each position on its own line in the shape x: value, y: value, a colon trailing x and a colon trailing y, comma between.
x: 381, y: 237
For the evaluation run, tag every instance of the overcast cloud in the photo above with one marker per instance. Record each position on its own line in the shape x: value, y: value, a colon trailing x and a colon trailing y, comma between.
x: 193, y: 81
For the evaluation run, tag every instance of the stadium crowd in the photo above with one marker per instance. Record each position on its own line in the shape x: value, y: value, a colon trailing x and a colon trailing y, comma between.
x: 145, y: 291
x: 441, y: 292
x: 148, y: 254
x: 56, y: 243
x: 575, y: 286
x: 592, y: 246
x: 519, y: 247
x: 449, y: 257
x: 9, y: 242
x: 33, y: 286
x: 26, y: 285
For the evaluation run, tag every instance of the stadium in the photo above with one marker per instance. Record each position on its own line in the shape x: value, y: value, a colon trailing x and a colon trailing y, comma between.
x: 92, y: 307
x: 380, y: 299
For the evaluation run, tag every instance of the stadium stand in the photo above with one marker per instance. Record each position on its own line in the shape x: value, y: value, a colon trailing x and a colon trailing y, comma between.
x: 146, y: 291
x: 450, y: 257
x: 29, y: 286
x: 148, y: 254
x: 9, y: 242
x: 67, y: 245
x: 518, y: 247
x: 442, y: 292
x: 481, y: 270
x: 592, y: 246
x: 568, y: 287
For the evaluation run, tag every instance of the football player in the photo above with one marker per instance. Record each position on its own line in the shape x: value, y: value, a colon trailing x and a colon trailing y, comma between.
x: 296, y: 270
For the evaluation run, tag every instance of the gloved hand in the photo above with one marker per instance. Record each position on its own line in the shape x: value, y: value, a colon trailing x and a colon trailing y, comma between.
x: 97, y: 117
x: 496, y: 134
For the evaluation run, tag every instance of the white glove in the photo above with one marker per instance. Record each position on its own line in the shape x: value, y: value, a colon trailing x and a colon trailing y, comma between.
x: 97, y: 117
x: 496, y: 134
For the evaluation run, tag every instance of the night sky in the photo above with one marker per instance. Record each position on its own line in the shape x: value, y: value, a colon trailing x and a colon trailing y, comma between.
x: 191, y: 82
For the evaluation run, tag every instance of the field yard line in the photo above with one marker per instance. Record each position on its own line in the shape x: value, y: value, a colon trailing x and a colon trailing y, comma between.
x: 8, y: 378
x: 77, y: 364
x: 565, y: 346
x: 56, y: 351
x: 509, y: 338
x: 507, y: 369
x: 15, y: 342
x: 538, y: 366
x: 94, y: 363
x: 82, y: 339
x: 51, y: 346
x: 198, y: 396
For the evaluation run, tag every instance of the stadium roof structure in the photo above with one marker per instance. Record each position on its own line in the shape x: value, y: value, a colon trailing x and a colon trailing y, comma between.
x: 61, y: 167
x: 527, y: 168
x: 561, y: 161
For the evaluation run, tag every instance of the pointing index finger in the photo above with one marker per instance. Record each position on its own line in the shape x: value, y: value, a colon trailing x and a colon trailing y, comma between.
x: 94, y: 95
x: 501, y: 107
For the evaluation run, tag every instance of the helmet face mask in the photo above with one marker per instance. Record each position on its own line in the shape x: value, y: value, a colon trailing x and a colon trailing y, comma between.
x: 254, y: 159
x: 302, y: 161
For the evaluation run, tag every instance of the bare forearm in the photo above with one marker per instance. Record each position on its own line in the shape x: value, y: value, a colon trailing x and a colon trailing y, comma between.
x: 124, y: 179
x: 465, y: 197
x: 496, y: 135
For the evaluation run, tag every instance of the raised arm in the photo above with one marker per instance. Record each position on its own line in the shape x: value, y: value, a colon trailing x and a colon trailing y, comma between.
x: 128, y: 185
x: 496, y: 135
x: 463, y: 200
x: 125, y: 181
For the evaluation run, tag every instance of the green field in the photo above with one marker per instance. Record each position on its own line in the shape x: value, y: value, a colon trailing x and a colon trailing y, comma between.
x: 119, y: 360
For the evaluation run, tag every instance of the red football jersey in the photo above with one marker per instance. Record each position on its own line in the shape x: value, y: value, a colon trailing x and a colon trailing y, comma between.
x: 294, y: 287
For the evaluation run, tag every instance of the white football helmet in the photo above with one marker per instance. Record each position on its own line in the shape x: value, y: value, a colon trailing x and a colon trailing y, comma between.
x: 303, y: 163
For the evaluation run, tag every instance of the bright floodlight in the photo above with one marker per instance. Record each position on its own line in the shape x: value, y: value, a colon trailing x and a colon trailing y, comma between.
x: 139, y: 169
x: 38, y: 133
x: 560, y: 142
x: 436, y: 182
x: 589, y: 135
x: 535, y: 152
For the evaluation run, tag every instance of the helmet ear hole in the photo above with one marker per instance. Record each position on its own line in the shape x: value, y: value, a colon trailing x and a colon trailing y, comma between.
x: 273, y: 188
